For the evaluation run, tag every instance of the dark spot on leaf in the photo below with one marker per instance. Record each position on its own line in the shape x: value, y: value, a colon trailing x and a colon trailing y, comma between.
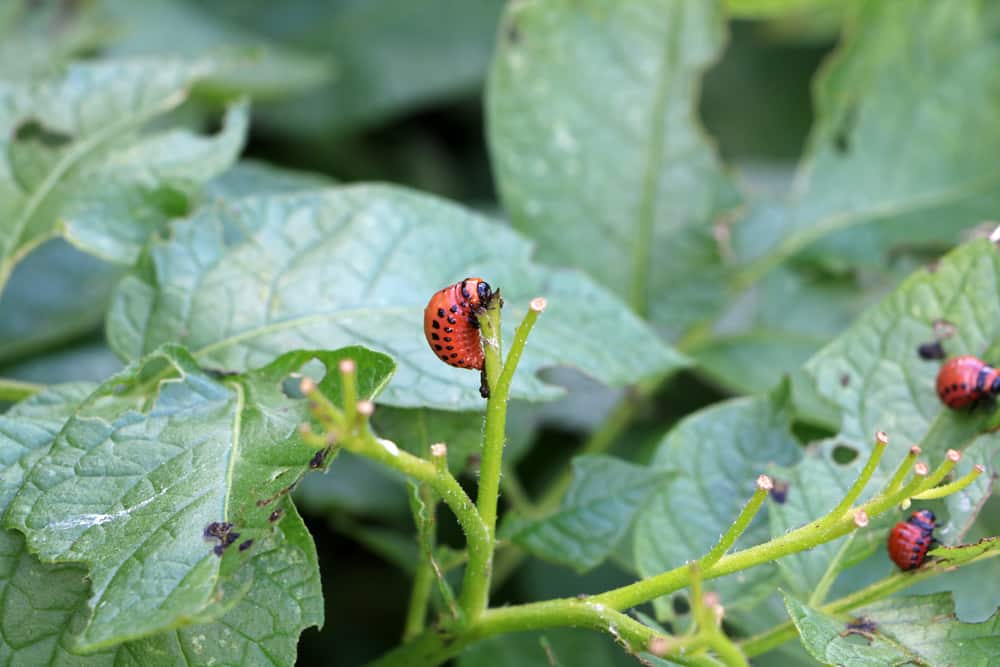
x: 931, y: 351
x: 842, y: 137
x: 218, y: 549
x: 680, y: 605
x: 218, y: 529
x: 246, y: 545
x: 276, y: 515
x: 513, y: 33
x: 845, y: 380
x: 230, y: 538
x: 843, y: 454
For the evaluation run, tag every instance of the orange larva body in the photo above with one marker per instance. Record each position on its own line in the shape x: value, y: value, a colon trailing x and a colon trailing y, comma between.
x: 966, y: 380
x: 909, y: 540
x: 451, y: 322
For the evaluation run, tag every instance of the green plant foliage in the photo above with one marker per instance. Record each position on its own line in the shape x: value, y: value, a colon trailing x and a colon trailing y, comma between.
x: 226, y: 452
x: 595, y: 514
x: 616, y: 161
x: 302, y: 295
x: 717, y: 453
x: 77, y: 165
x: 268, y: 70
x: 872, y: 102
x: 875, y: 377
x: 910, y: 630
x: 390, y: 56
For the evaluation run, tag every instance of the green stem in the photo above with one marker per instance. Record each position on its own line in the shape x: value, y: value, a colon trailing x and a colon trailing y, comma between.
x: 476, y: 584
x: 420, y: 594
x: 800, y: 539
x: 16, y: 390
x: 863, y: 477
x: 764, y: 486
x: 957, y: 485
x: 904, y: 467
x: 830, y: 575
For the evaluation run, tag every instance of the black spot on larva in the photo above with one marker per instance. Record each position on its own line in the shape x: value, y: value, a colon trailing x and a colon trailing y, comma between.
x: 434, y: 323
x: 964, y: 385
x: 451, y: 320
x: 444, y: 357
x: 465, y: 291
x: 438, y: 348
x: 954, y: 387
x: 440, y: 312
x: 434, y: 336
x: 448, y: 330
x: 447, y: 339
x: 454, y: 355
x: 474, y: 322
x: 246, y: 545
x: 454, y: 309
x: 461, y: 362
x: 449, y: 347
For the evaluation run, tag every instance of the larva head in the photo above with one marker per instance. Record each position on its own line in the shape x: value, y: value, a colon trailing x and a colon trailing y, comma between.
x: 477, y: 292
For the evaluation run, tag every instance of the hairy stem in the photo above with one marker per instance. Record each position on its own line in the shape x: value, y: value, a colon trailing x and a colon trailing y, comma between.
x: 764, y: 486
x: 478, y: 572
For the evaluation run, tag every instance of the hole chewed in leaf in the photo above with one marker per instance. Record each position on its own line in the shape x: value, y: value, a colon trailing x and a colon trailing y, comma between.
x: 843, y: 454
x: 313, y: 369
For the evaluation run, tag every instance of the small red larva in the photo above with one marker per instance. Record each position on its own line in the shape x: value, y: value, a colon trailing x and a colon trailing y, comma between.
x: 966, y: 380
x: 909, y: 540
x: 451, y: 324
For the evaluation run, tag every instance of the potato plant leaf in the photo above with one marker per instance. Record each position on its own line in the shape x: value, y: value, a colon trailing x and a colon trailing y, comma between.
x: 718, y: 452
x: 164, y: 479
x: 358, y: 264
x: 594, y: 516
x: 43, y: 606
x: 75, y: 163
x: 875, y: 376
x: 590, y: 111
x: 872, y: 102
x: 899, y: 631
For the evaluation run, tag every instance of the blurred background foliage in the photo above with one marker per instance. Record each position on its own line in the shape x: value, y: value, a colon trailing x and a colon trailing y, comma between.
x: 392, y: 90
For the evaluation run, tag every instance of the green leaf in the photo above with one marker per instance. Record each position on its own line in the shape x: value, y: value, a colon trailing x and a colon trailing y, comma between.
x: 42, y: 307
x: 762, y: 9
x: 874, y: 375
x: 915, y: 629
x: 718, y: 453
x: 77, y: 165
x: 148, y: 461
x: 36, y: 38
x: 964, y: 506
x: 43, y: 606
x: 591, y: 125
x: 871, y: 104
x: 594, y: 515
x: 253, y: 178
x: 827, y: 640
x: 958, y: 555
x: 357, y: 264
x: 753, y: 361
x: 265, y: 68
x: 391, y: 56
